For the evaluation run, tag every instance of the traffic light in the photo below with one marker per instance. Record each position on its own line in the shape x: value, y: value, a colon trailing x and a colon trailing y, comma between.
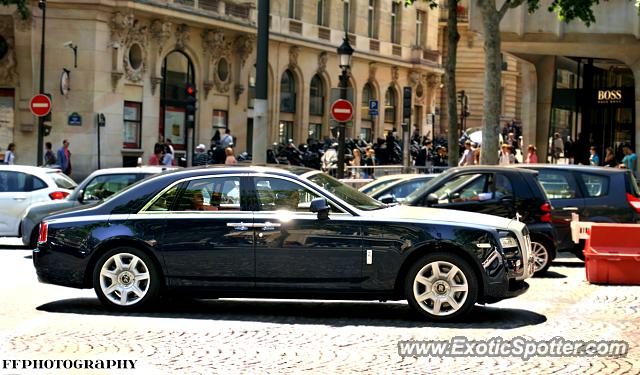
x: 46, y: 129
x: 47, y: 118
x: 406, y: 102
x: 191, y: 105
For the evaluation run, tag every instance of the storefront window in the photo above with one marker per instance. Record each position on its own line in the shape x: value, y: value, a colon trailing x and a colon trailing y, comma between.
x: 132, y: 124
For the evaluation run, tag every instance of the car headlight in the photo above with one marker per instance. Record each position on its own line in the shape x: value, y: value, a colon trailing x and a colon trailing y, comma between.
x: 509, y: 241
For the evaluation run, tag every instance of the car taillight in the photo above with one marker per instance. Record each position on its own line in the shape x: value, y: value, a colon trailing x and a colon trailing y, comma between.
x: 44, y: 230
x: 546, y: 216
x: 58, y: 195
x: 634, y: 202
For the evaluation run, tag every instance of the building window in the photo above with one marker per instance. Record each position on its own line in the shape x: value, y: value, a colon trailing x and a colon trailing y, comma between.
x: 220, y: 122
x: 315, y: 131
x: 365, y: 134
x: 321, y: 12
x: 420, y: 19
x: 316, y: 101
x: 372, y: 31
x: 285, y: 132
x: 294, y: 9
x: 368, y: 94
x: 395, y: 22
x: 132, y: 124
x: 287, y: 92
x: 390, y: 101
x: 252, y: 87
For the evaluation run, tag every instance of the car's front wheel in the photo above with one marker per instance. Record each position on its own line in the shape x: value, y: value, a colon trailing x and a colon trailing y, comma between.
x: 441, y: 287
x: 126, y: 278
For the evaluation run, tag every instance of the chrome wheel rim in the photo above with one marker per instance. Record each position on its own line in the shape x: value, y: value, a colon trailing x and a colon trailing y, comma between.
x: 440, y: 288
x: 124, y: 279
x: 540, y: 255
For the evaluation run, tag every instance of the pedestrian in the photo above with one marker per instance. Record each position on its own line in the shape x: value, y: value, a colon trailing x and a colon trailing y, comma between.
x: 169, y: 144
x: 532, y: 157
x: 356, y: 162
x: 168, y: 157
x: 568, y: 150
x: 511, y: 141
x: 370, y: 161
x: 506, y: 156
x: 49, y: 155
x: 227, y: 140
x: 441, y: 160
x: 64, y: 158
x: 467, y: 156
x: 630, y: 160
x: 156, y: 158
x: 594, y: 160
x: 610, y: 158
x: 201, y: 156
x: 10, y: 155
x: 476, y: 154
x: 230, y: 160
x: 558, y: 147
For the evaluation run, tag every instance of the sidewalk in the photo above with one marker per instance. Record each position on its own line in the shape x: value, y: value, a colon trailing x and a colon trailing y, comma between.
x: 10, y: 242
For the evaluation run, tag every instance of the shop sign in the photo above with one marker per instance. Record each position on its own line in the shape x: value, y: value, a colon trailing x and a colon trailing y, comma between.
x: 609, y: 96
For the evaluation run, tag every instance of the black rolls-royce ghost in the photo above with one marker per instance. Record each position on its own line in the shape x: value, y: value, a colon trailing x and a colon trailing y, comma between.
x: 257, y: 231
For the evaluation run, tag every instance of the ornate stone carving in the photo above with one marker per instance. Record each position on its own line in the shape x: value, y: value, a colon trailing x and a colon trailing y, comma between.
x: 115, y: 78
x: 373, y: 68
x: 155, y: 81
x: 222, y: 85
x: 413, y: 77
x: 182, y: 36
x: 244, y: 47
x: 208, y: 85
x: 395, y: 73
x: 237, y: 91
x: 120, y: 24
x: 215, y: 43
x: 294, y: 51
x: 9, y: 65
x: 135, y: 53
x: 160, y: 33
x: 433, y: 80
x: 323, y: 57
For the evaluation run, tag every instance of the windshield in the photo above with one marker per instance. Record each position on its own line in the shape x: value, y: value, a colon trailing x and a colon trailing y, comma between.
x: 375, y: 187
x: 421, y: 190
x: 346, y: 193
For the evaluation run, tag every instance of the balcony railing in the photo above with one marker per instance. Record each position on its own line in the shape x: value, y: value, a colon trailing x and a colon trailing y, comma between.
x: 227, y: 8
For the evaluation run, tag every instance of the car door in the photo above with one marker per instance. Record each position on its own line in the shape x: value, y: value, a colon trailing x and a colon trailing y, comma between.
x: 565, y: 196
x: 15, y: 196
x: 208, y: 236
x: 296, y: 250
x: 599, y: 203
x: 473, y: 192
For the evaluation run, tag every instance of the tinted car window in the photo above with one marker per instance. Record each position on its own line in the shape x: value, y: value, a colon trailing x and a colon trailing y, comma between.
x: 14, y: 182
x: 595, y: 185
x: 404, y: 189
x: 503, y: 186
x: 476, y: 190
x: 38, y: 183
x: 210, y: 194
x: 556, y: 185
x: 276, y: 194
x: 62, y: 181
x: 345, y: 192
x: 379, y: 186
x: 165, y: 201
x: 456, y: 183
x: 102, y: 187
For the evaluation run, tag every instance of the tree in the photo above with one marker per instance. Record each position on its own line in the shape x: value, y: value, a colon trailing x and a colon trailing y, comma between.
x: 23, y: 7
x: 450, y: 75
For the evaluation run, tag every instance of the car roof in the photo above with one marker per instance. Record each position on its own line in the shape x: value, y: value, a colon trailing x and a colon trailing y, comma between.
x: 573, y: 167
x: 243, y: 168
x: 490, y: 168
x: 146, y: 169
x: 29, y: 169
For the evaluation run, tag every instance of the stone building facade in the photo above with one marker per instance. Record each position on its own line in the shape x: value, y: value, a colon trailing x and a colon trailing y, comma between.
x: 135, y: 59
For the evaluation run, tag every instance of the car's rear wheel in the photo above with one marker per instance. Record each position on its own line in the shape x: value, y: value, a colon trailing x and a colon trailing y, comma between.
x: 126, y: 278
x: 542, y: 256
x: 441, y: 287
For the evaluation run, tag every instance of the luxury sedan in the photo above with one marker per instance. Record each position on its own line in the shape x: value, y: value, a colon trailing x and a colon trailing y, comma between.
x: 291, y: 232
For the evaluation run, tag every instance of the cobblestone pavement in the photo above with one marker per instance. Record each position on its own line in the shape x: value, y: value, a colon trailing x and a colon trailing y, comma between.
x: 40, y: 321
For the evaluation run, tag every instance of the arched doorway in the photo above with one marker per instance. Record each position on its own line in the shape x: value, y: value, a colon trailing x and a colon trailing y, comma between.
x: 177, y: 72
x: 316, y: 107
x: 287, y: 106
x: 390, y: 110
x: 367, y: 128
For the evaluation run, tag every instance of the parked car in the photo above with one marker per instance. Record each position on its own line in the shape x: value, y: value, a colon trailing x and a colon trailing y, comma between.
x: 99, y: 185
x: 287, y: 232
x: 598, y: 194
x: 21, y: 186
x: 505, y: 192
x: 397, y: 191
x: 381, y: 182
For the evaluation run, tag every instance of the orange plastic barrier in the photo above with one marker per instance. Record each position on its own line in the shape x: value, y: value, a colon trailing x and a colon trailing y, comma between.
x: 612, y: 254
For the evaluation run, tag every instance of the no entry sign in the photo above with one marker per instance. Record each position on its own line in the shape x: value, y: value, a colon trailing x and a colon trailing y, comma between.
x: 341, y: 110
x: 40, y: 105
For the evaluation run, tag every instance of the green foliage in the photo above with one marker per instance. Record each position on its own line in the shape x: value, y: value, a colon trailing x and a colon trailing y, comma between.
x: 22, y: 5
x: 432, y: 3
x: 569, y: 10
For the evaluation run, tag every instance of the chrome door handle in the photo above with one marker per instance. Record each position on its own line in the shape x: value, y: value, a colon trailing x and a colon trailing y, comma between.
x: 569, y: 208
x: 19, y: 198
x: 240, y: 226
x: 267, y: 226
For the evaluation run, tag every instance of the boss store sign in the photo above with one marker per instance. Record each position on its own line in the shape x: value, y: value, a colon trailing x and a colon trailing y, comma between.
x: 621, y: 97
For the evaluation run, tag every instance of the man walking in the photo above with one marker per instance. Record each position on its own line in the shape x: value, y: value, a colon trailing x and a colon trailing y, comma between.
x: 64, y: 158
x: 227, y: 140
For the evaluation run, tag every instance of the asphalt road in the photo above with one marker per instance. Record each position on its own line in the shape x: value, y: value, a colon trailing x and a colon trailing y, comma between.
x: 40, y: 321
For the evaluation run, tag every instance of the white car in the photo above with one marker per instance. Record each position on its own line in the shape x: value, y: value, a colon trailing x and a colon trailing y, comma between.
x: 21, y: 186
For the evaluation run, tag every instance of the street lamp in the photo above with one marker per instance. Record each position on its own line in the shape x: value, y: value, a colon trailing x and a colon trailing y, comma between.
x: 345, y: 53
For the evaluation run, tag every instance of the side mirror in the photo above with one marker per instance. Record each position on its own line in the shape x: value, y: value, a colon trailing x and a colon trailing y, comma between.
x: 81, y: 196
x: 321, y: 207
x: 387, y: 198
x: 432, y: 199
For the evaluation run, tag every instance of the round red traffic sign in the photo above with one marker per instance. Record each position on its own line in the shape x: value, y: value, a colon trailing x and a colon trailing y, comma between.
x: 341, y: 110
x: 40, y: 105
